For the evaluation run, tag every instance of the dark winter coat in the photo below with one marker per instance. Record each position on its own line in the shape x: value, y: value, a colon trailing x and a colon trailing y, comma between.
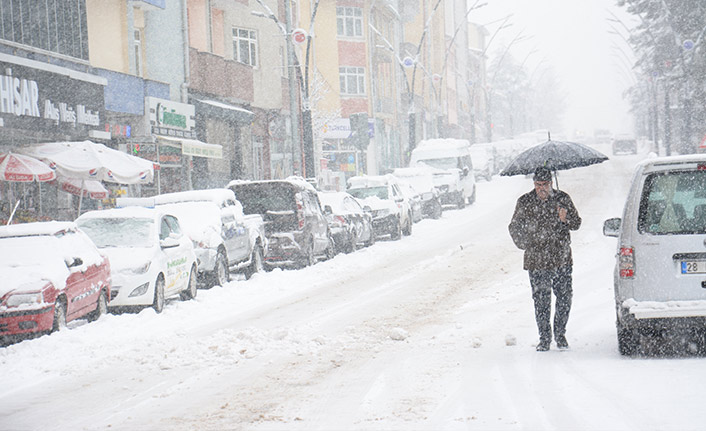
x: 536, y: 229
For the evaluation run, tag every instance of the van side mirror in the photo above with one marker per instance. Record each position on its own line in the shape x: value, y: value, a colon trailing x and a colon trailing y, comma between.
x: 169, y: 242
x: 74, y: 262
x: 611, y: 227
x: 465, y: 171
x: 328, y: 210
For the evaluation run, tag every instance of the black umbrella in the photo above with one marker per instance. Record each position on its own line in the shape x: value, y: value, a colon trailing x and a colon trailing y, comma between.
x: 555, y: 155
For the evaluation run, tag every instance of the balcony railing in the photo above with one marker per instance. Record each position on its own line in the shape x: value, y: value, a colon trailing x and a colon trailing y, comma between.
x: 213, y: 74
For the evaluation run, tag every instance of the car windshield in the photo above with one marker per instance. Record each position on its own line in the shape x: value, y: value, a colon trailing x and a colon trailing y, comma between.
x: 442, y: 163
x: 674, y: 203
x: 366, y: 192
x: 27, y: 251
x: 119, y: 231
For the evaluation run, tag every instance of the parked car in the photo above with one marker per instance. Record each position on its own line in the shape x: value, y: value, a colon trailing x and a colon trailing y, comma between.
x: 224, y: 238
x: 52, y: 274
x: 483, y: 155
x: 348, y: 221
x: 660, y: 270
x: 391, y: 210
x: 295, y: 225
x: 413, y: 197
x: 151, y: 259
x: 624, y: 144
x: 456, y: 180
x: 422, y: 179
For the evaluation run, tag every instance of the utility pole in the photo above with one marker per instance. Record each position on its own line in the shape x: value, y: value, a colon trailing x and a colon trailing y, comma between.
x: 293, y: 99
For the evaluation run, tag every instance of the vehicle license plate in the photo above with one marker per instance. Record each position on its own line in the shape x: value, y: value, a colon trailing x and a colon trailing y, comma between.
x: 693, y: 267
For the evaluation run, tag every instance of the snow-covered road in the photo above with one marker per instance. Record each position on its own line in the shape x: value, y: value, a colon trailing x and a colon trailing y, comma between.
x: 435, y: 331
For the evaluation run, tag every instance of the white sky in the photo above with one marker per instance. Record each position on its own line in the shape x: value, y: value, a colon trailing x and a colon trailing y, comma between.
x: 572, y: 37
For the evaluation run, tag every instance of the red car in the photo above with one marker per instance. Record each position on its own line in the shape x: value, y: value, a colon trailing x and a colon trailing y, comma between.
x: 51, y: 273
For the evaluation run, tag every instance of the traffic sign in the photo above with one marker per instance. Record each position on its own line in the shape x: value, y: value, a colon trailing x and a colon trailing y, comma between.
x: 408, y: 62
x: 299, y: 36
x: 688, y: 44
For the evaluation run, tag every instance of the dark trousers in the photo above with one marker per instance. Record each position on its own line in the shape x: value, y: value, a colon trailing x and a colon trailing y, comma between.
x: 543, y: 282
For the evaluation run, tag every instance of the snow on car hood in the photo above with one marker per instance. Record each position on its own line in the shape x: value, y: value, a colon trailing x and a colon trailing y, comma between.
x: 128, y: 257
x: 375, y: 203
x: 33, y: 278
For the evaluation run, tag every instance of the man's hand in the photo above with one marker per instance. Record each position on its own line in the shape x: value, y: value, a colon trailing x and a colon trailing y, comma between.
x: 562, y: 213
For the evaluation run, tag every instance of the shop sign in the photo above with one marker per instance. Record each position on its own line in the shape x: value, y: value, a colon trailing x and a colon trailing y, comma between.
x: 340, y: 128
x: 170, y: 118
x: 42, y: 100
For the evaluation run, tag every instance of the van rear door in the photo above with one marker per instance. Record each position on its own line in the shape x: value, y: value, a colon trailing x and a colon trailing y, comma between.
x: 669, y: 247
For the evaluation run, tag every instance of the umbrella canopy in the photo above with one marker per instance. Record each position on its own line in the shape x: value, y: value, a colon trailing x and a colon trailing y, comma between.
x: 90, y: 161
x: 90, y: 188
x: 555, y: 155
x: 24, y: 169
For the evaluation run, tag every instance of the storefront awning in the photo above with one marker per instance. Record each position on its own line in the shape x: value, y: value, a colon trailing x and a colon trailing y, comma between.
x: 193, y: 147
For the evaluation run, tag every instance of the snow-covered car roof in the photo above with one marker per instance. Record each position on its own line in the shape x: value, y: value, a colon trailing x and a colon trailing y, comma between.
x: 672, y: 160
x: 195, y: 217
x: 334, y: 200
x: 370, y: 181
x: 217, y: 196
x: 294, y: 180
x: 126, y: 212
x: 34, y: 229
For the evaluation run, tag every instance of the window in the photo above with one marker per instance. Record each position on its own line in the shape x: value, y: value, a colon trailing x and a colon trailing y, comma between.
x: 245, y: 46
x: 673, y: 203
x: 58, y: 26
x: 137, y: 43
x: 352, y: 80
x: 349, y: 21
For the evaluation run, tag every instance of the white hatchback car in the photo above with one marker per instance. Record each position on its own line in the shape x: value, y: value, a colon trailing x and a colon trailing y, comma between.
x: 150, y: 257
x: 660, y: 271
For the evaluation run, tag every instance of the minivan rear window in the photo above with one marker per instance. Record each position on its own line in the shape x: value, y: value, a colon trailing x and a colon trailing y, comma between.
x: 673, y: 203
x: 258, y: 198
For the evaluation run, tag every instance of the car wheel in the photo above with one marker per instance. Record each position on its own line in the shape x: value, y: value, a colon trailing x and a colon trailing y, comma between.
x: 438, y: 209
x: 158, y: 303
x: 352, y: 242
x: 256, y: 263
x: 59, y: 316
x: 221, y: 274
x: 331, y: 249
x: 309, y: 258
x: 101, y: 307
x: 627, y: 341
x: 408, y: 227
x: 371, y: 240
x: 191, y: 288
x: 461, y: 204
x: 396, y: 230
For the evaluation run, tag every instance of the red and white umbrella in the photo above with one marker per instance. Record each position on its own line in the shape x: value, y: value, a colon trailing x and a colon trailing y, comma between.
x: 89, y: 188
x: 24, y: 169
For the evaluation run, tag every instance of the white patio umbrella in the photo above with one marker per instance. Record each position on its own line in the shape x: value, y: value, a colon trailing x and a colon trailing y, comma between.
x: 86, y: 160
x: 18, y: 168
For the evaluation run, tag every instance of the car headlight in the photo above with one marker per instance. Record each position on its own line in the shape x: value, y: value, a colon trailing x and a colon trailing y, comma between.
x: 381, y: 213
x: 19, y: 299
x: 142, y: 268
x: 140, y: 290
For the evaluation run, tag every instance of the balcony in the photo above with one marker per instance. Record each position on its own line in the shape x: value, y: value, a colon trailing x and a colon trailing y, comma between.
x: 214, y: 75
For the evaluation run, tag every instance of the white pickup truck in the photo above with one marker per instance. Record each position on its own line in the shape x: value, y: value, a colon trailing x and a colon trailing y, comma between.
x: 224, y: 238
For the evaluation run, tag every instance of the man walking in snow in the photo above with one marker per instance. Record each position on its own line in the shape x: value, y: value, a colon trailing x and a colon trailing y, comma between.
x: 540, y: 226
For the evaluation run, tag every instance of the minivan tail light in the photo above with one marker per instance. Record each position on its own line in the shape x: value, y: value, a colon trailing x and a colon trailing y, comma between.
x: 300, y: 212
x: 701, y: 167
x: 626, y: 262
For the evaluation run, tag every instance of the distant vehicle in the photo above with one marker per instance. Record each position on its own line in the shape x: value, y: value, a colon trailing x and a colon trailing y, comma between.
x: 660, y: 270
x: 295, y: 225
x: 151, y: 259
x: 224, y: 238
x: 457, y: 183
x: 602, y: 136
x: 52, y: 273
x: 391, y: 210
x: 351, y: 226
x: 422, y: 179
x: 624, y: 144
x: 483, y: 160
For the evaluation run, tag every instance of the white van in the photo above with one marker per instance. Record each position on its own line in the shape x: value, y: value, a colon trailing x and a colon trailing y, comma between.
x: 660, y: 271
x: 455, y: 180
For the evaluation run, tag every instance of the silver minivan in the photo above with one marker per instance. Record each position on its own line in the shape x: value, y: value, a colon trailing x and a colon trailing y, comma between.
x: 660, y: 271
